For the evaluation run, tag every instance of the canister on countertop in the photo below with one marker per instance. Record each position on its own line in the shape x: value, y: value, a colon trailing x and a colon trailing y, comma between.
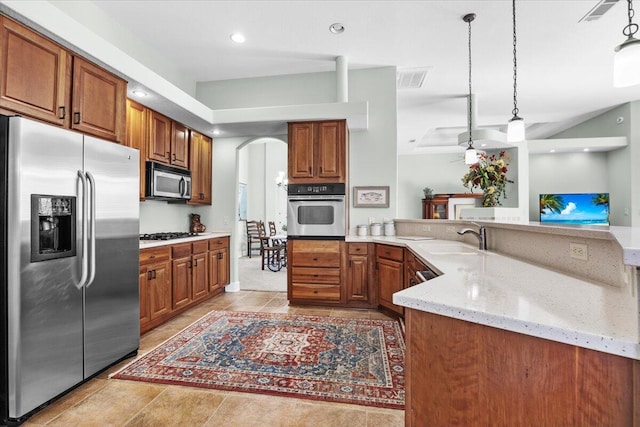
x: 376, y: 228
x: 389, y: 228
x: 362, y: 230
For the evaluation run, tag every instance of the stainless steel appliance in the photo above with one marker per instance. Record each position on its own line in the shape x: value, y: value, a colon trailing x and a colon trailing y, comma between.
x: 316, y: 211
x: 70, y: 219
x: 167, y: 182
x: 167, y: 235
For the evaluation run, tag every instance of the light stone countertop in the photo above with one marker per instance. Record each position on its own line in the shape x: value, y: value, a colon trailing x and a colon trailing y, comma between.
x: 498, y: 291
x: 144, y: 244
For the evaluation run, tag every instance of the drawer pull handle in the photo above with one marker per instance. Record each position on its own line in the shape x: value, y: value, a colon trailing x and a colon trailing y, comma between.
x: 62, y: 113
x: 152, y: 256
x: 315, y: 292
x: 76, y: 118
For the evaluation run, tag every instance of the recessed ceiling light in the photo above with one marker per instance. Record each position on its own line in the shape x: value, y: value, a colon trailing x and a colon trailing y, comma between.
x: 586, y: 149
x: 238, y: 37
x: 139, y: 93
x: 336, y: 28
x: 483, y: 145
x: 552, y: 150
x: 216, y: 131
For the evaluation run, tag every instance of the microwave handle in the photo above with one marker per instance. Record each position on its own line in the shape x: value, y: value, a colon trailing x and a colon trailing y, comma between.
x: 182, y: 186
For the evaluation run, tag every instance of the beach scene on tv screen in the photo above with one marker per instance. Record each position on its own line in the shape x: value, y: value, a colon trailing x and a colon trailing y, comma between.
x: 584, y: 208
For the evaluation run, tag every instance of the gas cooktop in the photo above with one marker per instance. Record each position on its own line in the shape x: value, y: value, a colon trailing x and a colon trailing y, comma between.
x: 166, y: 236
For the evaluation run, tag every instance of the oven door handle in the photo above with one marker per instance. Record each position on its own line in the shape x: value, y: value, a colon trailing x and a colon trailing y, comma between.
x: 324, y: 199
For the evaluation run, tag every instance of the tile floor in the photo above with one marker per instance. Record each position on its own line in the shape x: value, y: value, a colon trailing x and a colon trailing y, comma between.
x: 109, y: 402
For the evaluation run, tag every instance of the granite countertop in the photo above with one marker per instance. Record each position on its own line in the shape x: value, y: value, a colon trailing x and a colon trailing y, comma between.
x: 495, y: 290
x: 202, y: 236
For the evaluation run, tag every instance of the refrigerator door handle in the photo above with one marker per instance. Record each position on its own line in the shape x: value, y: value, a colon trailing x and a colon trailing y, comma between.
x: 84, y: 258
x: 92, y: 229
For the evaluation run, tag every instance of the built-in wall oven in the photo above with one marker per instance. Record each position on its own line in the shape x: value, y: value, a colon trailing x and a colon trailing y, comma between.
x: 316, y: 211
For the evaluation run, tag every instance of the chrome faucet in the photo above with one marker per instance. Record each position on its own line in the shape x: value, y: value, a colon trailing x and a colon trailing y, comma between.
x: 481, y: 234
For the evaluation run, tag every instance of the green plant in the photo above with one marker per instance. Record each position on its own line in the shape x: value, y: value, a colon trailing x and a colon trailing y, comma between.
x: 428, y: 192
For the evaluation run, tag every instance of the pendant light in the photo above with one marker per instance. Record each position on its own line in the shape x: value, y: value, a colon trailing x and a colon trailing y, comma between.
x: 626, y: 63
x: 470, y: 154
x: 515, y: 129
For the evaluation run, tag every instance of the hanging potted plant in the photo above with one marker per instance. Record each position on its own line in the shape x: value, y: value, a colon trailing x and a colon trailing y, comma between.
x: 490, y: 174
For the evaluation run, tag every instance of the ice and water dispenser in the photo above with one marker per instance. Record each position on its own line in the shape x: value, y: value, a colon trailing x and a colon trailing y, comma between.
x: 53, y: 227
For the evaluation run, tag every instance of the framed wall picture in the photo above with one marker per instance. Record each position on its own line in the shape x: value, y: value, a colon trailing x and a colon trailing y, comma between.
x: 371, y: 197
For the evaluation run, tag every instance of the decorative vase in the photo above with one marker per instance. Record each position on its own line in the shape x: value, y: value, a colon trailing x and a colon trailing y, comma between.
x: 490, y: 200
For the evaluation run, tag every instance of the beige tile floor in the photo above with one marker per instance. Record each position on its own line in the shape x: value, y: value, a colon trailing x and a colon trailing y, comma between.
x: 108, y: 402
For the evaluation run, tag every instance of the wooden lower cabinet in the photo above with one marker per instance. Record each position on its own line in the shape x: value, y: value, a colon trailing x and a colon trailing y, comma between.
x: 176, y: 277
x: 316, y: 272
x: 360, y: 279
x: 463, y: 373
x: 389, y: 275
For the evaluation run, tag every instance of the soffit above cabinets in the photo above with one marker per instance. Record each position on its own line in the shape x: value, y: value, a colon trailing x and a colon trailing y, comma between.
x: 576, y: 145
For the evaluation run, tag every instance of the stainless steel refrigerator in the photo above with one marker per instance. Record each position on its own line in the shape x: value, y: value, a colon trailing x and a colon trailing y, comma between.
x: 69, y: 228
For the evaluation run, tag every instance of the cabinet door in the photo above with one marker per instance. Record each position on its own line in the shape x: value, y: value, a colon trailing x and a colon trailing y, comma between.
x: 159, y: 289
x: 99, y: 101
x: 179, y: 145
x: 357, y: 280
x: 145, y: 315
x: 181, y: 282
x: 390, y: 281
x: 200, y: 165
x: 331, y: 151
x: 35, y: 77
x: 137, y: 128
x: 159, y: 146
x: 301, y: 152
x: 223, y: 267
x: 200, y: 278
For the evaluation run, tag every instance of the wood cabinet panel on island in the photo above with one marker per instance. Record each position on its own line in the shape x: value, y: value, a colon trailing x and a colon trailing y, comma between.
x: 480, y: 375
x: 175, y: 277
x: 45, y: 81
x: 318, y: 152
x: 389, y: 275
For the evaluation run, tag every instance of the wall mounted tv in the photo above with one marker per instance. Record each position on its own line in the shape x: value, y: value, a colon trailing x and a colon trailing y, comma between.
x: 575, y: 208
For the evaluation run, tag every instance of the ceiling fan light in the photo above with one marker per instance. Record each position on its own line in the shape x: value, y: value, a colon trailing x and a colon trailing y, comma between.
x: 470, y: 156
x: 626, y: 63
x: 515, y: 129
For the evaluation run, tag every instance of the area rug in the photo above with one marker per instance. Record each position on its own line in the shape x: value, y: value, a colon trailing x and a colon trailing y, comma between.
x: 313, y: 357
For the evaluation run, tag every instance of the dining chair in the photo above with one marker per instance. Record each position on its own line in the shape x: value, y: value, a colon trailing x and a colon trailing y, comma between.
x: 272, y: 228
x: 273, y: 253
x: 253, y: 235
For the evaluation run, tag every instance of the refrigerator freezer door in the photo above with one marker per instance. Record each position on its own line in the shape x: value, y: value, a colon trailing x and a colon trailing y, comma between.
x: 112, y: 319
x: 44, y: 304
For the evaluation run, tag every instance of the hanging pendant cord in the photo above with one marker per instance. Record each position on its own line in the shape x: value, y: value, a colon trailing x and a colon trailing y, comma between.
x: 631, y: 29
x: 470, y: 18
x: 515, y: 66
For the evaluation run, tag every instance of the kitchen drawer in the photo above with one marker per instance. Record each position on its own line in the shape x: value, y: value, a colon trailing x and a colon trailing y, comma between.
x: 395, y: 253
x: 181, y: 250
x: 315, y: 275
x: 153, y: 255
x: 315, y: 292
x: 357, y: 248
x: 219, y: 243
x: 315, y: 259
x: 199, y: 247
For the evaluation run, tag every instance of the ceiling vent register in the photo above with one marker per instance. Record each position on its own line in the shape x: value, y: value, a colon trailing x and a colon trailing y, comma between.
x: 598, y: 10
x: 411, y: 78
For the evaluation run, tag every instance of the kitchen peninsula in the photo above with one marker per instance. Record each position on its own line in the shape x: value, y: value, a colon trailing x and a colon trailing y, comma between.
x: 522, y: 334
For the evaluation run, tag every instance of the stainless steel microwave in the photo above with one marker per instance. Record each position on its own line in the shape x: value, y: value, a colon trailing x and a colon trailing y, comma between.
x: 166, y: 182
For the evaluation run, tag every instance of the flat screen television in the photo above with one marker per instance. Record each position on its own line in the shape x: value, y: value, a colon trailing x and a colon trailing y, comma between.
x: 575, y: 208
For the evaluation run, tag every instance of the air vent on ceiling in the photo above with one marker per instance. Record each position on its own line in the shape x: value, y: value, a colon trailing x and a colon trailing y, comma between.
x: 411, y: 78
x: 598, y: 10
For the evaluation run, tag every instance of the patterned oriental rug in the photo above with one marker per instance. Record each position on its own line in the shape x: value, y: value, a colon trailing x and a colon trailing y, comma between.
x: 312, y: 357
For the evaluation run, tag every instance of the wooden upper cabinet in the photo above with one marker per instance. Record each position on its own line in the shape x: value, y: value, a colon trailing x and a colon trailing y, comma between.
x: 136, y: 136
x: 301, y: 153
x: 99, y: 101
x: 159, y: 147
x: 200, y: 164
x: 179, y: 145
x: 35, y: 74
x: 318, y: 152
x: 42, y: 80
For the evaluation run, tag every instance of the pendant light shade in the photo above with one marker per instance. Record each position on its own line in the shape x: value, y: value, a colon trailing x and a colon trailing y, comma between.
x: 515, y: 129
x: 626, y: 64
x: 470, y: 155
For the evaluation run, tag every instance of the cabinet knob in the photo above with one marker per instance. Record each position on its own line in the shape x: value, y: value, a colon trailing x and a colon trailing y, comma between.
x: 152, y: 256
x: 315, y: 291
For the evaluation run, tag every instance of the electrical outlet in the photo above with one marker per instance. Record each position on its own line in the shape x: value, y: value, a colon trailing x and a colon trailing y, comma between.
x: 426, y: 228
x: 578, y: 251
x: 451, y: 229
